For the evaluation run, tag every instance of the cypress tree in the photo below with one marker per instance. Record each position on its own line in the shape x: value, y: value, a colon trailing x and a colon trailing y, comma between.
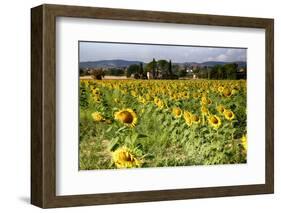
x: 170, y: 68
x: 153, y: 68
x: 141, y: 72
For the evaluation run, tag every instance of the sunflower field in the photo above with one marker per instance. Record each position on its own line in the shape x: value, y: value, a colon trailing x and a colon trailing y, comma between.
x: 162, y: 123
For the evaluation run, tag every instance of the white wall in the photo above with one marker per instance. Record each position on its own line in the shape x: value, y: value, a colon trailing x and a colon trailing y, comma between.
x: 15, y: 104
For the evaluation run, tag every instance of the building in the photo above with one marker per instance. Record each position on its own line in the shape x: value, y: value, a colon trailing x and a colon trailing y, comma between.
x: 149, y: 75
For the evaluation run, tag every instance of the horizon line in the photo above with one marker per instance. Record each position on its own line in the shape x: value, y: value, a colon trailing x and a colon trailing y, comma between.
x: 162, y: 59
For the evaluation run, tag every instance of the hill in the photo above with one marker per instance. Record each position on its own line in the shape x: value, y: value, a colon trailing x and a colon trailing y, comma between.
x: 107, y: 64
x: 119, y: 63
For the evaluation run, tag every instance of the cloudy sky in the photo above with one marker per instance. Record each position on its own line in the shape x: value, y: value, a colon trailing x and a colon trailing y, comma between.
x: 95, y: 51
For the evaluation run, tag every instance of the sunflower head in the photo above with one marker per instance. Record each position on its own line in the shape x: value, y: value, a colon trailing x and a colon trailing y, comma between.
x: 141, y: 100
x: 205, y: 100
x: 204, y: 110
x: 188, y: 118
x: 97, y: 116
x: 148, y: 97
x: 220, y: 88
x: 134, y: 93
x: 234, y: 91
x: 195, y: 119
x: 229, y: 115
x: 176, y: 112
x: 124, y: 157
x: 96, y: 92
x: 160, y: 104
x: 220, y: 109
x: 227, y: 92
x: 195, y: 95
x: 186, y: 114
x: 244, y: 142
x: 214, y: 121
x: 127, y: 117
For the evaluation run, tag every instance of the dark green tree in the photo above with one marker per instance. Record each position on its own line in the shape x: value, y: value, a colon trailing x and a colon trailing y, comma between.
x: 82, y: 72
x: 132, y: 69
x: 170, y: 68
x: 215, y: 72
x: 97, y: 73
x: 141, y: 71
x: 163, y: 66
x: 154, y: 67
x: 220, y: 72
x: 230, y: 70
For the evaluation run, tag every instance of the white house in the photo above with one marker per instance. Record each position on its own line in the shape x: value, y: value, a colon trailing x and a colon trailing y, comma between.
x: 149, y: 75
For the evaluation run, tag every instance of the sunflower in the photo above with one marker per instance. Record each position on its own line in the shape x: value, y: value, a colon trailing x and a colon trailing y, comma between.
x: 148, y: 97
x: 187, y: 117
x: 97, y: 116
x: 204, y: 110
x: 134, y: 93
x: 227, y: 92
x: 177, y: 112
x: 195, y: 95
x: 244, y: 142
x: 141, y: 100
x: 220, y: 89
x: 205, y: 100
x: 188, y: 121
x: 96, y: 92
x: 185, y: 95
x: 228, y: 114
x: 159, y: 103
x: 186, y: 114
x: 96, y: 95
x: 234, y: 91
x: 126, y: 116
x: 124, y: 157
x: 195, y: 119
x: 214, y: 121
x: 220, y: 109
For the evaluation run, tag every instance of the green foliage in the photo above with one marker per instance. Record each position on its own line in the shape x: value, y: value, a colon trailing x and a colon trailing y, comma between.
x: 132, y: 69
x: 227, y: 71
x: 163, y: 66
x: 82, y: 72
x: 115, y: 72
x: 159, y: 137
x: 97, y: 73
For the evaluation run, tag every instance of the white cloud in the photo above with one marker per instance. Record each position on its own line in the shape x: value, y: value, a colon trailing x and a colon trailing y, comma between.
x: 92, y: 51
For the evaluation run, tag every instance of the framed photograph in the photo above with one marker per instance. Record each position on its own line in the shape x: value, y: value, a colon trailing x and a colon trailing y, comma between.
x: 136, y: 106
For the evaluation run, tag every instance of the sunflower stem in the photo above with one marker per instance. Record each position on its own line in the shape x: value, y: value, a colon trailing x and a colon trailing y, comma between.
x: 203, y: 119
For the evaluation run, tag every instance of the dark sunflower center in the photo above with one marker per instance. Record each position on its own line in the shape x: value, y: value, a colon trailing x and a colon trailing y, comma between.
x: 126, y: 117
x: 214, y: 120
x: 229, y: 114
x: 125, y: 156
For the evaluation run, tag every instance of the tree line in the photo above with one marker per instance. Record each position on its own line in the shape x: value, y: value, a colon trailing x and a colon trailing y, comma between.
x: 163, y: 69
x: 218, y: 72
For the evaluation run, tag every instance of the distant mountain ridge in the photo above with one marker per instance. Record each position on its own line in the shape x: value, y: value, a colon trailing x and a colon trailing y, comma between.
x: 119, y: 63
x: 107, y: 63
x: 213, y: 63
